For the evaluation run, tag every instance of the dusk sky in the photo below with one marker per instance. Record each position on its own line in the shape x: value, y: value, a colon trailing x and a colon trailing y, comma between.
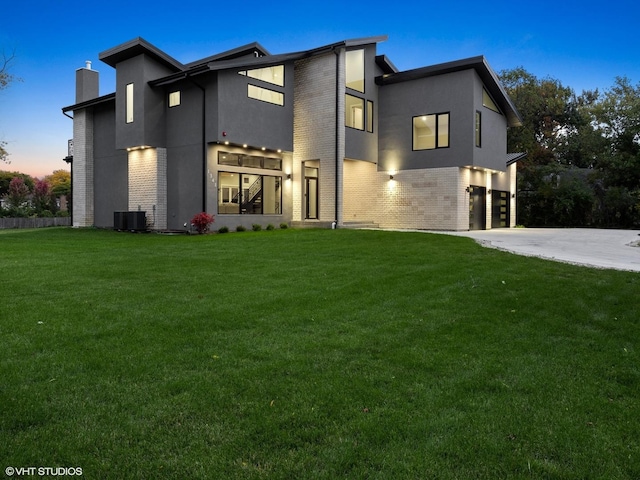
x: 585, y: 46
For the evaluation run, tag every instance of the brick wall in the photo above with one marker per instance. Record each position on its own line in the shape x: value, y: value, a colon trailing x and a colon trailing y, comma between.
x: 82, y: 168
x: 148, y: 185
x: 433, y: 199
x: 314, y: 124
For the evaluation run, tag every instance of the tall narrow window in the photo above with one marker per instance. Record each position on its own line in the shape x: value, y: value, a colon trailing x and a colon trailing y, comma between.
x: 354, y: 112
x: 129, y: 103
x: 478, y: 129
x: 431, y: 131
x: 369, y: 116
x: 354, y: 67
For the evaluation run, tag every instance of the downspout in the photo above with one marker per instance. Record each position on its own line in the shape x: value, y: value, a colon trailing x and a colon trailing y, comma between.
x: 70, y: 162
x: 337, y: 145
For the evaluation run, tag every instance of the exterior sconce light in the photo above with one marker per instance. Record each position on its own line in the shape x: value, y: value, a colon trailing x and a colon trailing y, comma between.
x: 489, y: 192
x: 467, y: 190
x: 513, y: 195
x: 390, y: 177
x: 288, y: 176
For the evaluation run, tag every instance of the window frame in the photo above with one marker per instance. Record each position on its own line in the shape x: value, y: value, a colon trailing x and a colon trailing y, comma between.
x: 250, y: 74
x: 369, y: 116
x: 361, y: 67
x: 172, y: 99
x: 238, y: 192
x: 437, y: 142
x: 478, y: 129
x: 251, y: 86
x: 348, y: 113
x: 128, y: 99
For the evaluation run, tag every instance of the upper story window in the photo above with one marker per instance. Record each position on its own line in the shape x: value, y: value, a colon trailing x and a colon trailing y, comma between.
x: 354, y: 70
x: 273, y: 75
x: 354, y: 112
x: 488, y: 102
x: 478, y: 131
x: 129, y: 103
x: 265, y: 95
x: 431, y: 131
x: 174, y: 99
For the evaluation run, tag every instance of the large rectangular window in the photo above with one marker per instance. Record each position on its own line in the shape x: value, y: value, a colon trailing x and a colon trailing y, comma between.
x: 265, y: 95
x: 129, y: 103
x: 249, y: 194
x: 431, y: 131
x: 250, y: 161
x: 273, y: 75
x: 354, y: 70
x: 354, y: 112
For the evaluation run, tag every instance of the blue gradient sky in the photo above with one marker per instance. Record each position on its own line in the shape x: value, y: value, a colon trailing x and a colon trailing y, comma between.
x: 584, y: 46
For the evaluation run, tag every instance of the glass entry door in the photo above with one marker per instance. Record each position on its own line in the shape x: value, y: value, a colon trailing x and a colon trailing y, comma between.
x: 311, y: 192
x: 477, y: 208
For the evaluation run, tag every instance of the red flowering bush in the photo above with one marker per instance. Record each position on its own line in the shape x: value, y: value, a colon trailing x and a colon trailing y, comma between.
x: 202, y: 221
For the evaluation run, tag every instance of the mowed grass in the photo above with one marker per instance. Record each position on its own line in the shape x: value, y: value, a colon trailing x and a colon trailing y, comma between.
x: 313, y: 354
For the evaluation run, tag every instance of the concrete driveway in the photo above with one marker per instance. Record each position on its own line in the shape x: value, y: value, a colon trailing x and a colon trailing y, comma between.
x: 616, y: 249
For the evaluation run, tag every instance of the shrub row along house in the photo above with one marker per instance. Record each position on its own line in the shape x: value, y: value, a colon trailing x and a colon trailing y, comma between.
x: 331, y: 134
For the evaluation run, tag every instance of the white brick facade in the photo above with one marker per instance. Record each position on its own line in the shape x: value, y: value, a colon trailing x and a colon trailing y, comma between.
x: 83, y: 168
x: 148, y: 185
x: 314, y: 131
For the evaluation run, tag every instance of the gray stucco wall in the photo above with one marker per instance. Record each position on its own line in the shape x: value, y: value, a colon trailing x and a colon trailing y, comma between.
x: 110, y: 169
x: 184, y: 155
x: 493, y: 152
x: 360, y: 144
x: 250, y: 121
x: 149, y: 104
x: 400, y: 102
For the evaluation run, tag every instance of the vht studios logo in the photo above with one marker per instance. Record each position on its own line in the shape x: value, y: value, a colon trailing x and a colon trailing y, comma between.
x: 43, y: 471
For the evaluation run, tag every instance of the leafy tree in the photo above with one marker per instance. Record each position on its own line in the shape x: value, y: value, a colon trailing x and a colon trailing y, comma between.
x: 43, y: 198
x: 18, y: 193
x: 60, y: 181
x: 6, y: 177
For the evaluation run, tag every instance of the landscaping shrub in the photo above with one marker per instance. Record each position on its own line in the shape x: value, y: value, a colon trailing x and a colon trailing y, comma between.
x: 202, y: 221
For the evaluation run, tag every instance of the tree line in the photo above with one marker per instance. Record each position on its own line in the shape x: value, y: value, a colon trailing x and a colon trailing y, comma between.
x: 583, y: 153
x: 24, y: 196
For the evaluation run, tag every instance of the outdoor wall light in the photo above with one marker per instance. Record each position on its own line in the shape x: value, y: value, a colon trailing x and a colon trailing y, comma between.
x: 390, y: 177
x: 288, y: 176
x: 489, y: 192
x: 513, y: 195
x: 466, y: 189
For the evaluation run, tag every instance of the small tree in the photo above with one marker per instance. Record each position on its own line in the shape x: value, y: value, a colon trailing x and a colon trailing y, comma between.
x: 17, y: 197
x: 43, y: 199
x: 202, y: 221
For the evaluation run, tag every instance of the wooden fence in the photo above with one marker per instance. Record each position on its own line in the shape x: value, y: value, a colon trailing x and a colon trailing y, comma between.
x: 35, y: 222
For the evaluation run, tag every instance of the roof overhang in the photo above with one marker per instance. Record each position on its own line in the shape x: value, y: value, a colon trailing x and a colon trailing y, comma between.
x: 90, y: 103
x: 136, y: 47
x: 515, y: 157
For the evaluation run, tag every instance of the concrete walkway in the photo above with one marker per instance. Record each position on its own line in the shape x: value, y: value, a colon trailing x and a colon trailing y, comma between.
x: 615, y: 249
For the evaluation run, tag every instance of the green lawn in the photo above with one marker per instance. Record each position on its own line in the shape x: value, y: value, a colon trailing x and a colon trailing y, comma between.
x: 313, y: 354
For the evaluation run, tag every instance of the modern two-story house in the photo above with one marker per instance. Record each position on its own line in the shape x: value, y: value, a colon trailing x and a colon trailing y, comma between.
x: 334, y: 135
